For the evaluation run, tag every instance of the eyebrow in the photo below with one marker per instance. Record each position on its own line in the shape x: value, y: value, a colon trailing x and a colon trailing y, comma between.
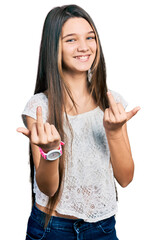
x: 72, y: 34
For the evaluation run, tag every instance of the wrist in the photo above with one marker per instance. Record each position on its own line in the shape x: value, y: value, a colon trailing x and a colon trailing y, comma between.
x: 114, y: 134
x: 48, y: 149
x: 53, y: 154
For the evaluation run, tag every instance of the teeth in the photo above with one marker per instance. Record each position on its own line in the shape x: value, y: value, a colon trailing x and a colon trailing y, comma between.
x: 83, y: 57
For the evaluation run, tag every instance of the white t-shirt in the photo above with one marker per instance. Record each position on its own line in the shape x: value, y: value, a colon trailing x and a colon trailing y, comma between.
x: 88, y: 191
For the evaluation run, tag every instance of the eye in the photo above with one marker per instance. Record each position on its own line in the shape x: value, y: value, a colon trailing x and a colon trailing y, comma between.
x: 91, y: 37
x: 71, y: 40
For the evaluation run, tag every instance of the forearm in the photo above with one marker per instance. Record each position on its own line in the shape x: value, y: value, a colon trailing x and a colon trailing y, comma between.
x: 114, y: 122
x: 121, y: 158
x: 44, y: 136
x: 47, y: 176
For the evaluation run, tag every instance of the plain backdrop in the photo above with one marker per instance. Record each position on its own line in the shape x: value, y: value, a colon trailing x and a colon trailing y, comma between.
x: 128, y: 34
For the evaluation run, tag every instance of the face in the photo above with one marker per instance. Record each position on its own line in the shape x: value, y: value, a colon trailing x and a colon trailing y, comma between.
x: 78, y: 45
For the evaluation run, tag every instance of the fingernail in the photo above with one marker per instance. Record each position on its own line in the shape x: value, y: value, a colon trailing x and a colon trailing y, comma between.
x: 39, y: 109
x: 18, y: 130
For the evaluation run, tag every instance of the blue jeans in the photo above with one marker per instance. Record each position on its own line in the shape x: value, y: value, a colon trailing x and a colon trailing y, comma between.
x: 68, y: 229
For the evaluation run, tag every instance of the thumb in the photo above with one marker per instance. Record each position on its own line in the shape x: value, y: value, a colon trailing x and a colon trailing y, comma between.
x: 132, y: 113
x: 24, y: 131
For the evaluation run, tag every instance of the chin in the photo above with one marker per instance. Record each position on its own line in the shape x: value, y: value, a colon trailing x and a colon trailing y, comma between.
x: 84, y: 68
x: 78, y: 68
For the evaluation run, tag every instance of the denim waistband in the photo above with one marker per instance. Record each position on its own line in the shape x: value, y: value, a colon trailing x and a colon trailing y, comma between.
x: 65, y: 224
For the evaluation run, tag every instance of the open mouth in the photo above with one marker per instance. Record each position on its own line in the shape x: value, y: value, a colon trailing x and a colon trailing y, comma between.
x: 83, y: 58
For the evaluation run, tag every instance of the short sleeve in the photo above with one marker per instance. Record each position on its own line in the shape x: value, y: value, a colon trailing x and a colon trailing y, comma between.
x: 36, y: 100
x: 119, y: 99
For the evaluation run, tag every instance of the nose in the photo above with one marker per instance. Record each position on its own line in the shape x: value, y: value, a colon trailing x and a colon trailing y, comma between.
x: 82, y: 46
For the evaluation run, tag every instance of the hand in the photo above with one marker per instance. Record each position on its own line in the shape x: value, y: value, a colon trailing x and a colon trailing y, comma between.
x: 43, y: 135
x: 115, y: 116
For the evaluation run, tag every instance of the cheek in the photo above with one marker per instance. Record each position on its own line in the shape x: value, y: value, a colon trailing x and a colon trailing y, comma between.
x: 64, y: 56
x: 67, y: 54
x: 94, y: 47
x: 68, y: 49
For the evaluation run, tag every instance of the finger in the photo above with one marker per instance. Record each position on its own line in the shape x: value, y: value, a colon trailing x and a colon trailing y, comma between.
x: 112, y: 103
x: 112, y: 118
x: 24, y: 131
x: 120, y: 108
x: 132, y: 113
x: 106, y: 115
x: 48, y: 132
x: 34, y: 135
x: 40, y: 125
x: 55, y: 133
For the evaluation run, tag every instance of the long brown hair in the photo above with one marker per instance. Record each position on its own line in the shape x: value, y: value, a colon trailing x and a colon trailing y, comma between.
x: 50, y: 76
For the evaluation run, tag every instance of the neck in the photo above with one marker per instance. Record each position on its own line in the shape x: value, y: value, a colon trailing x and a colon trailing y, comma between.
x: 79, y: 90
x: 77, y: 83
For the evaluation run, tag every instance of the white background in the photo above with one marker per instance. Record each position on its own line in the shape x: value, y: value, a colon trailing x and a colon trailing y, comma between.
x: 128, y: 34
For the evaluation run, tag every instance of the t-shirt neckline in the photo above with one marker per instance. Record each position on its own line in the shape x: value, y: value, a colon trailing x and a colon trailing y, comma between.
x: 83, y: 114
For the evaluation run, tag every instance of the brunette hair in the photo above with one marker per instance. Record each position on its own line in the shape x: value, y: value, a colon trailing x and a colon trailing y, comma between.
x: 50, y: 76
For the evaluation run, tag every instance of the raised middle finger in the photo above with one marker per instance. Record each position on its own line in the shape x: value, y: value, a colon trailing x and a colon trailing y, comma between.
x: 40, y: 124
x: 112, y: 104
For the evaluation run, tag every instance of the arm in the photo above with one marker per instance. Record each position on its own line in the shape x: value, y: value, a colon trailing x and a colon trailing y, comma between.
x: 115, y: 119
x: 121, y: 158
x: 46, y: 137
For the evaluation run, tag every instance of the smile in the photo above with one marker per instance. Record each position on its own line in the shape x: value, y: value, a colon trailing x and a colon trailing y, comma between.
x: 83, y: 58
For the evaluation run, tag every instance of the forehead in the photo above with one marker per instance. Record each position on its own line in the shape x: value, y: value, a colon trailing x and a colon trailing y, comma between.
x: 77, y: 26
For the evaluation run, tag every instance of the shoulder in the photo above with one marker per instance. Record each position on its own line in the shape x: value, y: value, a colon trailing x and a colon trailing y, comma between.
x: 39, y: 99
x: 119, y: 98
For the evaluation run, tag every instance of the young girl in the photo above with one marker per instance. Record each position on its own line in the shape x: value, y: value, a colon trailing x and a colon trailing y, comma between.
x: 74, y: 191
